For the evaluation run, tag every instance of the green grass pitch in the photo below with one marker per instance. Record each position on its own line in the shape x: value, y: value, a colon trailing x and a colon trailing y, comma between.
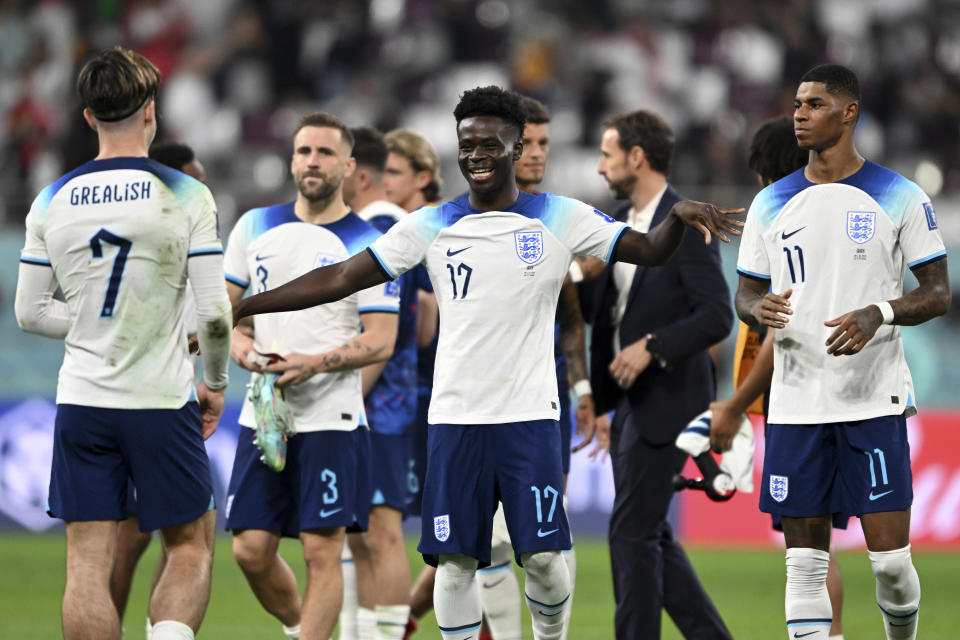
x: 747, y: 587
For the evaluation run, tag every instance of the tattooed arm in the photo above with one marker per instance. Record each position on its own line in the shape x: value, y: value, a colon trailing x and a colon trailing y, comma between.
x: 931, y: 299
x: 375, y: 344
x: 574, y: 350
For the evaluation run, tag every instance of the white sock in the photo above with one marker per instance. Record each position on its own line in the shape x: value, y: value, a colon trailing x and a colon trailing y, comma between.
x: 500, y: 599
x: 292, y: 632
x: 171, y: 630
x: 807, y: 602
x: 392, y: 621
x: 548, y: 592
x: 570, y: 557
x: 366, y: 624
x: 348, y: 611
x: 455, y: 599
x: 838, y: 637
x: 898, y: 592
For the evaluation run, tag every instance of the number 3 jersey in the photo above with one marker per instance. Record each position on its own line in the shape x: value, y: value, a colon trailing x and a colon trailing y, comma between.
x: 840, y: 246
x: 119, y: 234
x: 271, y: 246
x: 497, y: 276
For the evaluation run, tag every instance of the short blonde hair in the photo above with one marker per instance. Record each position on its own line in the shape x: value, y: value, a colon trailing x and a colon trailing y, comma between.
x: 116, y: 83
x: 422, y: 156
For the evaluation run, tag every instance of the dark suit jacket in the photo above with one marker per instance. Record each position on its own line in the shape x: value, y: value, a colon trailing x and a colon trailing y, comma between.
x: 686, y: 304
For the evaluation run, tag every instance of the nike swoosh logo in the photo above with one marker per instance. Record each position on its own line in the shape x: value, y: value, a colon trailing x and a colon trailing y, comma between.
x: 258, y: 258
x: 543, y: 534
x: 784, y: 236
x: 879, y: 495
x: 549, y: 615
x: 453, y: 253
x: 325, y: 514
x: 493, y: 584
x: 804, y: 635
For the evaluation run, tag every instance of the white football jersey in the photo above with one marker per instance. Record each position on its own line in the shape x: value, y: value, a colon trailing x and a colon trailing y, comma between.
x: 840, y: 246
x: 118, y: 233
x: 497, y: 276
x: 271, y: 246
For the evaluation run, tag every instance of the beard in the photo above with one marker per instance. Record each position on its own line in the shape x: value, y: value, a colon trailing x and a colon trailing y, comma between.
x: 621, y: 188
x: 326, y: 188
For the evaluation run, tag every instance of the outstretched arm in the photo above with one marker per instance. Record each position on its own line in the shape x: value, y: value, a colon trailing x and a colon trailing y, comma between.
x: 931, y: 299
x: 320, y: 286
x: 656, y: 247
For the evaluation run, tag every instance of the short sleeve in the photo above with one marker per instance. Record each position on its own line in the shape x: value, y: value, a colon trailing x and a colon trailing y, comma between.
x: 585, y: 231
x: 383, y: 298
x: 405, y: 245
x: 752, y: 260
x: 204, y: 237
x: 235, y: 257
x: 34, y: 247
x: 920, y: 237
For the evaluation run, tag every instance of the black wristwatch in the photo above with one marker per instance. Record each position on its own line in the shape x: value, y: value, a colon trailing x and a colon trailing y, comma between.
x: 655, y: 349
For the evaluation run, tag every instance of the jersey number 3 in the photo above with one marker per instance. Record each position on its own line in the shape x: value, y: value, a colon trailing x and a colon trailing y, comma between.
x: 119, y: 262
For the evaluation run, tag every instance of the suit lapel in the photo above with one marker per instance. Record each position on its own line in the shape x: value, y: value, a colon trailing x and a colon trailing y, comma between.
x: 663, y: 208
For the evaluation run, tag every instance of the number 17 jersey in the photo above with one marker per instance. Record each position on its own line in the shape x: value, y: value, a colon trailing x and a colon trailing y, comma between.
x: 839, y: 246
x: 497, y: 276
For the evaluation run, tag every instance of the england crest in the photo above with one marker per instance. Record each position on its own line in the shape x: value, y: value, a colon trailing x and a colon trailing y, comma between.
x: 779, y: 487
x: 325, y: 259
x: 441, y: 527
x: 861, y: 225
x: 529, y: 245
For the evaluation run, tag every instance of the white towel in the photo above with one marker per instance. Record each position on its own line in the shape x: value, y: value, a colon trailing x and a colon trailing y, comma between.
x: 737, y: 462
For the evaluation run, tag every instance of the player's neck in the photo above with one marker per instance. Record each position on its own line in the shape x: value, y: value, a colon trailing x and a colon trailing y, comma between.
x: 321, y: 211
x: 364, y: 198
x: 122, y: 146
x: 414, y: 203
x: 495, y: 201
x: 646, y: 188
x: 832, y: 164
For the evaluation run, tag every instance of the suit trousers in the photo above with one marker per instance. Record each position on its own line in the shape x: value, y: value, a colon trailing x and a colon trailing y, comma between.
x: 651, y: 571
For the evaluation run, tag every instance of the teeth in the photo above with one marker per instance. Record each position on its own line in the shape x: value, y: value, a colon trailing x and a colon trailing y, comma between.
x: 481, y: 172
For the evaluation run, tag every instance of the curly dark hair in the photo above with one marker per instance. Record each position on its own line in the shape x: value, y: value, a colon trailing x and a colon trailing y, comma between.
x: 837, y: 78
x: 774, y: 152
x: 491, y: 101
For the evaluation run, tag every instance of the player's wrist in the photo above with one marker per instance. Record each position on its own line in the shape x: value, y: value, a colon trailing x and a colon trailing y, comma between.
x: 582, y: 388
x: 886, y: 312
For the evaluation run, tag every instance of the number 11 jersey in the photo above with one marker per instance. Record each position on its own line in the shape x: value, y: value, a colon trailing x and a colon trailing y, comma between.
x: 497, y: 276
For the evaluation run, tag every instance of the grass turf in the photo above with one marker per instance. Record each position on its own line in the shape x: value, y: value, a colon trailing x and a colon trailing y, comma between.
x: 747, y: 587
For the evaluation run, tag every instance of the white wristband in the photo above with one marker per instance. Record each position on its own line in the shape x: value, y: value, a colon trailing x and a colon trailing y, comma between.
x: 582, y: 388
x: 886, y: 311
x: 576, y: 274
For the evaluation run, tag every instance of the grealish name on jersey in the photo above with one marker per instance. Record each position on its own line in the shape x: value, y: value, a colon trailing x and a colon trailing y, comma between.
x: 496, y: 276
x: 106, y: 193
x: 840, y: 247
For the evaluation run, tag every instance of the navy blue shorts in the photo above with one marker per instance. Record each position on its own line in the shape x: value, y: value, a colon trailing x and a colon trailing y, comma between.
x: 326, y: 484
x: 472, y: 467
x: 390, y: 463
x: 839, y: 468
x: 97, y: 451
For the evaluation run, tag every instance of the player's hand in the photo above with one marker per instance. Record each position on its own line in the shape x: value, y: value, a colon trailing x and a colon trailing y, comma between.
x: 602, y: 446
x: 211, y: 407
x: 586, y: 415
x: 294, y: 369
x: 708, y: 219
x: 773, y: 310
x: 853, y: 330
x: 630, y: 363
x: 724, y: 425
x: 241, y: 347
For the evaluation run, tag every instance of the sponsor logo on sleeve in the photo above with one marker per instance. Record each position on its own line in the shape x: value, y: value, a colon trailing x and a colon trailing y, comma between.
x: 931, y: 215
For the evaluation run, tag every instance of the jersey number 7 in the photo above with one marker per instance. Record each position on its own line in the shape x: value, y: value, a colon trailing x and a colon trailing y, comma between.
x: 113, y: 286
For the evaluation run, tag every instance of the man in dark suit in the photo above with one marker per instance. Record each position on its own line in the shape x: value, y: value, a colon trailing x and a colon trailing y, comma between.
x: 652, y: 327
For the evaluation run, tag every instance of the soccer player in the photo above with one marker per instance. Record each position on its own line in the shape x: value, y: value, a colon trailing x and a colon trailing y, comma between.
x: 390, y: 397
x: 830, y: 243
x: 496, y: 257
x: 325, y: 487
x: 499, y: 590
x: 131, y: 542
x: 122, y: 235
x: 411, y: 177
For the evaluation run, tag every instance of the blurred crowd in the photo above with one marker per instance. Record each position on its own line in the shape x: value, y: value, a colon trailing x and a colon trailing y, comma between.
x: 238, y: 73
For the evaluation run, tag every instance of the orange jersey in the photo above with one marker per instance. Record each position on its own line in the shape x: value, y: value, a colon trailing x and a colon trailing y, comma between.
x: 748, y: 348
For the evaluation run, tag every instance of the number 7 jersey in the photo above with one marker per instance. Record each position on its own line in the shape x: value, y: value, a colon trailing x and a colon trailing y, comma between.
x: 839, y: 246
x: 497, y: 276
x: 118, y: 233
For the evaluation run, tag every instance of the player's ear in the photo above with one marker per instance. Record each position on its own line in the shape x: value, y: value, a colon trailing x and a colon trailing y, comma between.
x: 517, y: 149
x: 851, y: 112
x: 422, y: 178
x: 350, y: 167
x: 88, y: 116
x: 149, y: 112
x: 637, y: 156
